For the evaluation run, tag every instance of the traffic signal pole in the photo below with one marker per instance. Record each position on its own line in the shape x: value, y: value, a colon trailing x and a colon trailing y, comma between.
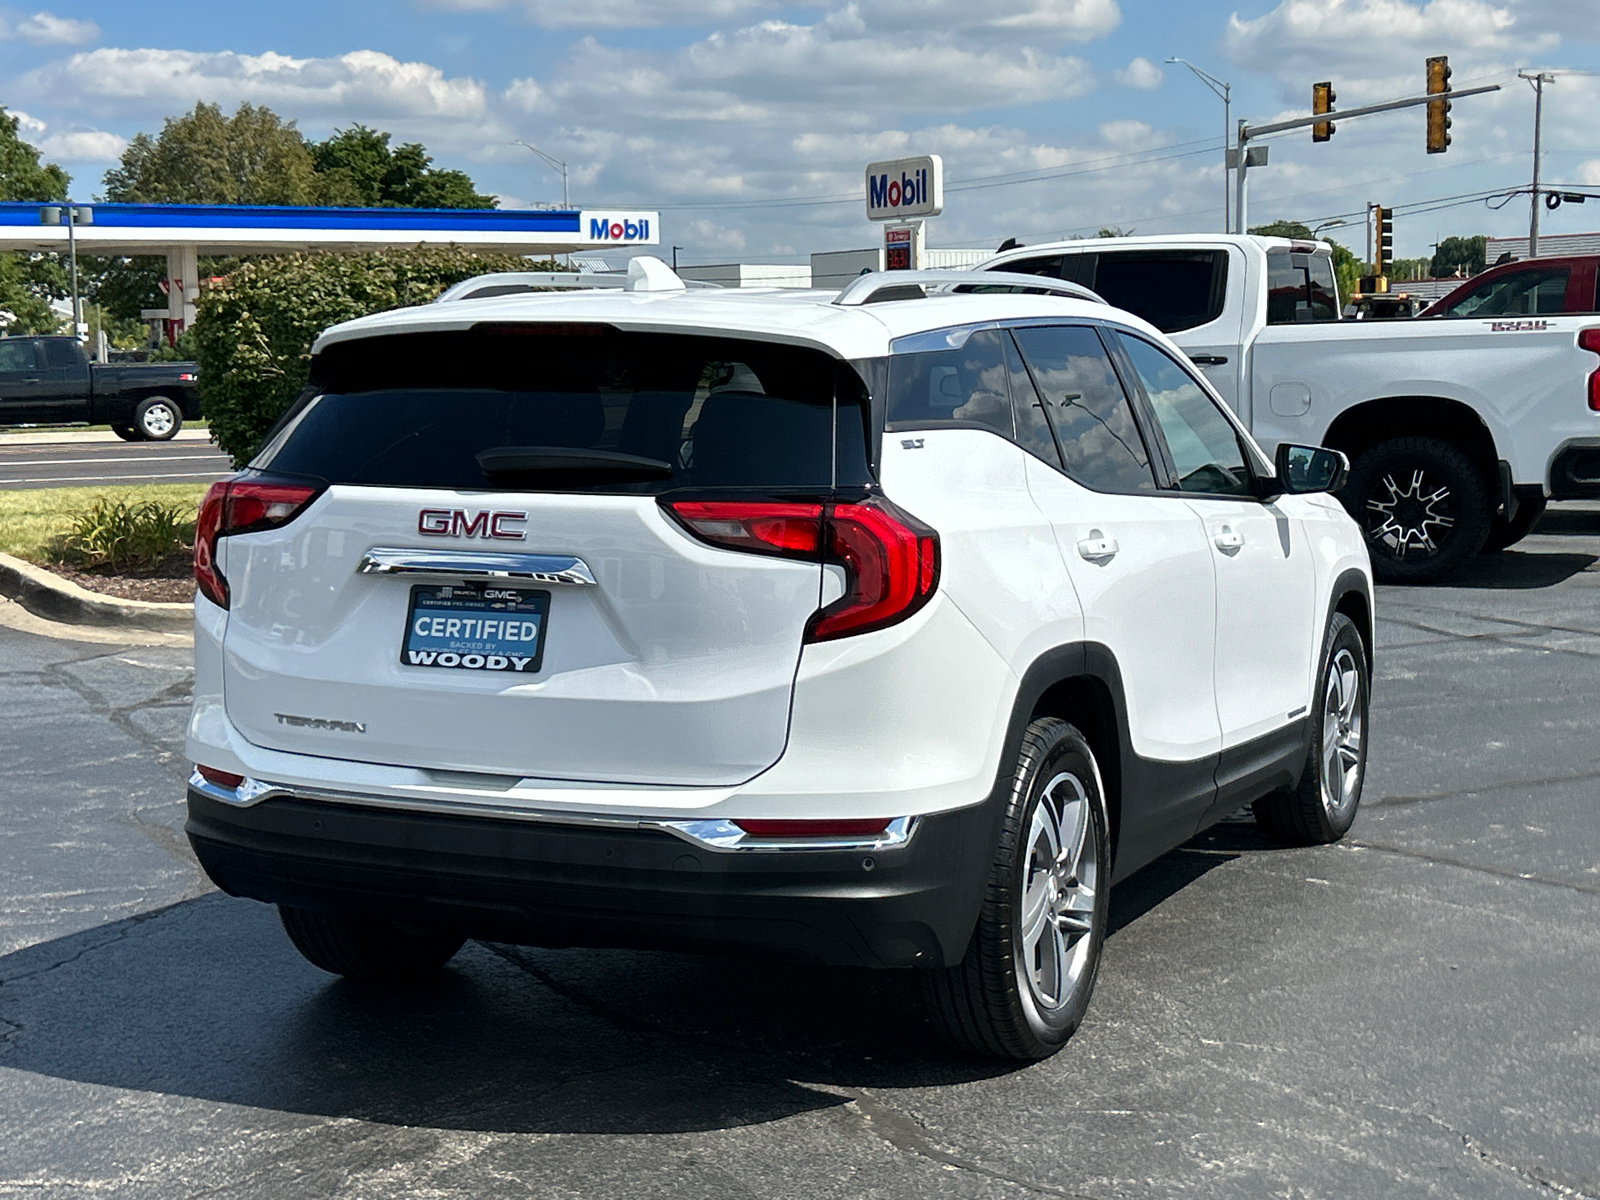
x: 1247, y: 132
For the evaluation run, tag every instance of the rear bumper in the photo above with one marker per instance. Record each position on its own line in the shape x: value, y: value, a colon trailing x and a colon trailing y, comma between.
x: 568, y: 885
x: 1575, y: 471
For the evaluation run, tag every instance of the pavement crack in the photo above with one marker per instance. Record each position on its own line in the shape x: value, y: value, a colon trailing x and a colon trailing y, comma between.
x: 1445, y: 860
x: 1483, y: 790
x: 907, y: 1135
x: 1534, y: 1172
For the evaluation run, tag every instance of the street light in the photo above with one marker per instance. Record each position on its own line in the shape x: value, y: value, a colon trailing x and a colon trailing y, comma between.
x: 552, y: 161
x: 72, y: 215
x: 1225, y: 92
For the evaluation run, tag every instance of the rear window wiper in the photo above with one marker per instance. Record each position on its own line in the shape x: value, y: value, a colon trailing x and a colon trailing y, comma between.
x: 565, y: 463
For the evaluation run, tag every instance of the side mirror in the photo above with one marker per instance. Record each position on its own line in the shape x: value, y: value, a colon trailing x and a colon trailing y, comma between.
x: 1304, y: 469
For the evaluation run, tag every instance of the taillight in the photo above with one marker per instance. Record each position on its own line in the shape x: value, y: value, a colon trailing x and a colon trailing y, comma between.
x: 240, y: 506
x: 857, y: 827
x: 226, y: 779
x: 1589, y: 339
x: 891, y: 561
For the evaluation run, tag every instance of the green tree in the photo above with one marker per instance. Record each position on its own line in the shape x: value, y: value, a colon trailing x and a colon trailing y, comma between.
x: 203, y: 157
x: 28, y: 282
x: 1466, y: 254
x: 356, y: 167
x: 254, y: 330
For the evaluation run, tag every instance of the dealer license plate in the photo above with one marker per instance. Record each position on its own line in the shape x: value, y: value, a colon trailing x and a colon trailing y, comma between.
x: 473, y: 628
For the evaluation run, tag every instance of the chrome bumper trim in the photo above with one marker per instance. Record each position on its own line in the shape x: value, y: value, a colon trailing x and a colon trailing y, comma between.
x: 718, y: 836
x: 485, y: 564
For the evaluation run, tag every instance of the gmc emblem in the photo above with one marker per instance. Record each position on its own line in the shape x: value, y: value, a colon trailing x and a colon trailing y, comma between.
x: 455, y: 522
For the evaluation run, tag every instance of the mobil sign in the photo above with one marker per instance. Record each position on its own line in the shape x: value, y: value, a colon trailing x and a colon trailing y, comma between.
x: 618, y: 228
x: 905, y: 187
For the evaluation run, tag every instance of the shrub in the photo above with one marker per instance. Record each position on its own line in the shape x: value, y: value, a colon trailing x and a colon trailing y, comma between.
x: 123, y: 536
x: 254, y: 330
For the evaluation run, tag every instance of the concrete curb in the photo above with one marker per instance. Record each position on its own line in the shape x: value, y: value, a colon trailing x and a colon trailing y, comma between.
x: 55, y: 599
x: 62, y: 437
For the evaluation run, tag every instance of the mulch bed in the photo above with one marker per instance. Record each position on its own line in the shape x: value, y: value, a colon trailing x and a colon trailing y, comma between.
x: 173, y: 580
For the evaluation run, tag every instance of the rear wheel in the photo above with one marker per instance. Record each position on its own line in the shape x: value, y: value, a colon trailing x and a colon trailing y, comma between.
x: 1323, y: 807
x: 366, y: 948
x: 1422, y: 507
x: 1504, y: 533
x: 126, y: 432
x: 157, y: 419
x: 1025, y: 982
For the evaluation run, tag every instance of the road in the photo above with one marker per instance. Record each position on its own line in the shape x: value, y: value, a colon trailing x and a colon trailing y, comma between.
x: 83, y: 463
x: 1412, y: 1013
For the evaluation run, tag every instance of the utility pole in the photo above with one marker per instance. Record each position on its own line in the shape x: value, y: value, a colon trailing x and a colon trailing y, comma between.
x: 1225, y: 91
x: 552, y: 161
x: 1538, y: 79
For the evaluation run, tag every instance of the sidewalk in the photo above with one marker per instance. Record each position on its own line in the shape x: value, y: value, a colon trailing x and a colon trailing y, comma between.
x: 23, y: 437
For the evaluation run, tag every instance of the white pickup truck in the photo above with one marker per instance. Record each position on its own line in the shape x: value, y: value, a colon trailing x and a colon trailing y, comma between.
x: 1458, y: 429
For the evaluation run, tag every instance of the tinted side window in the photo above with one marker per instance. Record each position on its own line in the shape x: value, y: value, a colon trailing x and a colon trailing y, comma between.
x: 16, y: 354
x: 1048, y: 264
x: 1517, y: 293
x: 1093, y: 420
x: 1300, y: 288
x: 961, y: 384
x: 1172, y: 289
x: 60, y: 356
x: 1204, y: 448
x: 1033, y: 427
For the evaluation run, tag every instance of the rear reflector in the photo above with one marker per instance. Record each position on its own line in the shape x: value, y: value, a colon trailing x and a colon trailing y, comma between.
x: 1589, y: 339
x: 225, y: 779
x: 857, y: 827
x: 240, y: 506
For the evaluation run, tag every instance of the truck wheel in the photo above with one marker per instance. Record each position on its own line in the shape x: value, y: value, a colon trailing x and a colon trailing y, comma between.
x: 1322, y: 807
x: 366, y: 948
x: 157, y: 419
x: 126, y: 432
x: 1504, y: 533
x: 1422, y: 507
x: 1024, y: 984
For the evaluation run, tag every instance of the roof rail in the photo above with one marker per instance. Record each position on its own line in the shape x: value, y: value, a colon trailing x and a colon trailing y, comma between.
x: 645, y: 273
x: 881, y: 286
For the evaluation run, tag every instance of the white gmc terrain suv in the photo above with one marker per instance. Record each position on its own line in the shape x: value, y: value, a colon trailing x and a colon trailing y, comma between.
x: 887, y: 628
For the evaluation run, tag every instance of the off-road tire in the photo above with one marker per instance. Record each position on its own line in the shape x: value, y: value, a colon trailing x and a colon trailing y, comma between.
x: 1465, y: 505
x: 1310, y: 814
x: 1504, y: 534
x: 984, y: 1005
x: 367, y: 949
x: 157, y: 419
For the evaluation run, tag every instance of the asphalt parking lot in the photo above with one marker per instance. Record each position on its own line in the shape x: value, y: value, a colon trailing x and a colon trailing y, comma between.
x: 84, y: 460
x: 1413, y: 1013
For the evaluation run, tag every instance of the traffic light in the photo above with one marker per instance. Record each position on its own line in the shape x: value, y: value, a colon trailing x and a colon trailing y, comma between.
x: 1439, y: 110
x: 1383, y: 223
x: 1322, y: 98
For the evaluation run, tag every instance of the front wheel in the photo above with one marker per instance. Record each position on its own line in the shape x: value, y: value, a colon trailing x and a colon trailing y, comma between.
x: 157, y: 419
x: 367, y: 948
x: 1422, y: 506
x: 1323, y: 807
x: 1024, y: 984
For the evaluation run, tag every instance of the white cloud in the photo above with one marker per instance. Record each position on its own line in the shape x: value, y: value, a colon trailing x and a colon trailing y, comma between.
x: 1589, y: 173
x: 26, y: 123
x: 85, y: 145
x: 526, y: 94
x: 1140, y: 73
x: 47, y: 29
x: 616, y: 14
x: 1132, y: 134
x: 361, y: 82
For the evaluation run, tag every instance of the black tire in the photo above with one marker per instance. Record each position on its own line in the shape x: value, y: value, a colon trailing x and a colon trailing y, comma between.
x: 1504, y: 534
x: 367, y: 949
x: 1321, y: 809
x: 1422, y: 505
x: 157, y: 419
x: 990, y: 1003
x: 126, y: 432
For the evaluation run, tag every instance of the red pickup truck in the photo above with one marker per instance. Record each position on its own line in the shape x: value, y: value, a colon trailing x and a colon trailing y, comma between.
x: 1536, y: 287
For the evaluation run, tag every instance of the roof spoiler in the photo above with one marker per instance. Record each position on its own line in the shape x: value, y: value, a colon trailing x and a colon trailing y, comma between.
x: 881, y: 286
x: 645, y: 273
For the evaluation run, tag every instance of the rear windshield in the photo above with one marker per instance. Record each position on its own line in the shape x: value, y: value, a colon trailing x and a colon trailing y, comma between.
x: 575, y: 408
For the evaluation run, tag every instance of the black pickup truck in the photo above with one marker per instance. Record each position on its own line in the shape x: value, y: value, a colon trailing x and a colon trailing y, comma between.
x: 50, y: 381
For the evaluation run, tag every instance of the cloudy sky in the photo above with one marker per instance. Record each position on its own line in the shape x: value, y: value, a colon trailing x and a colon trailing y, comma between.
x: 748, y: 122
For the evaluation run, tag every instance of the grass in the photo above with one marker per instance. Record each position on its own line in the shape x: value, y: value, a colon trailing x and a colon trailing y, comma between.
x: 34, y: 523
x: 200, y: 424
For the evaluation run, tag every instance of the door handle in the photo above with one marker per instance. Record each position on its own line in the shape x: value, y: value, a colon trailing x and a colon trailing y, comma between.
x: 1209, y: 360
x: 1228, y: 541
x: 1097, y: 548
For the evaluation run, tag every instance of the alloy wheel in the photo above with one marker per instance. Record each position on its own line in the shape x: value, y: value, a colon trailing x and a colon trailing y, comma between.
x: 1061, y: 876
x: 157, y: 421
x: 1409, y: 518
x: 1342, y: 731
